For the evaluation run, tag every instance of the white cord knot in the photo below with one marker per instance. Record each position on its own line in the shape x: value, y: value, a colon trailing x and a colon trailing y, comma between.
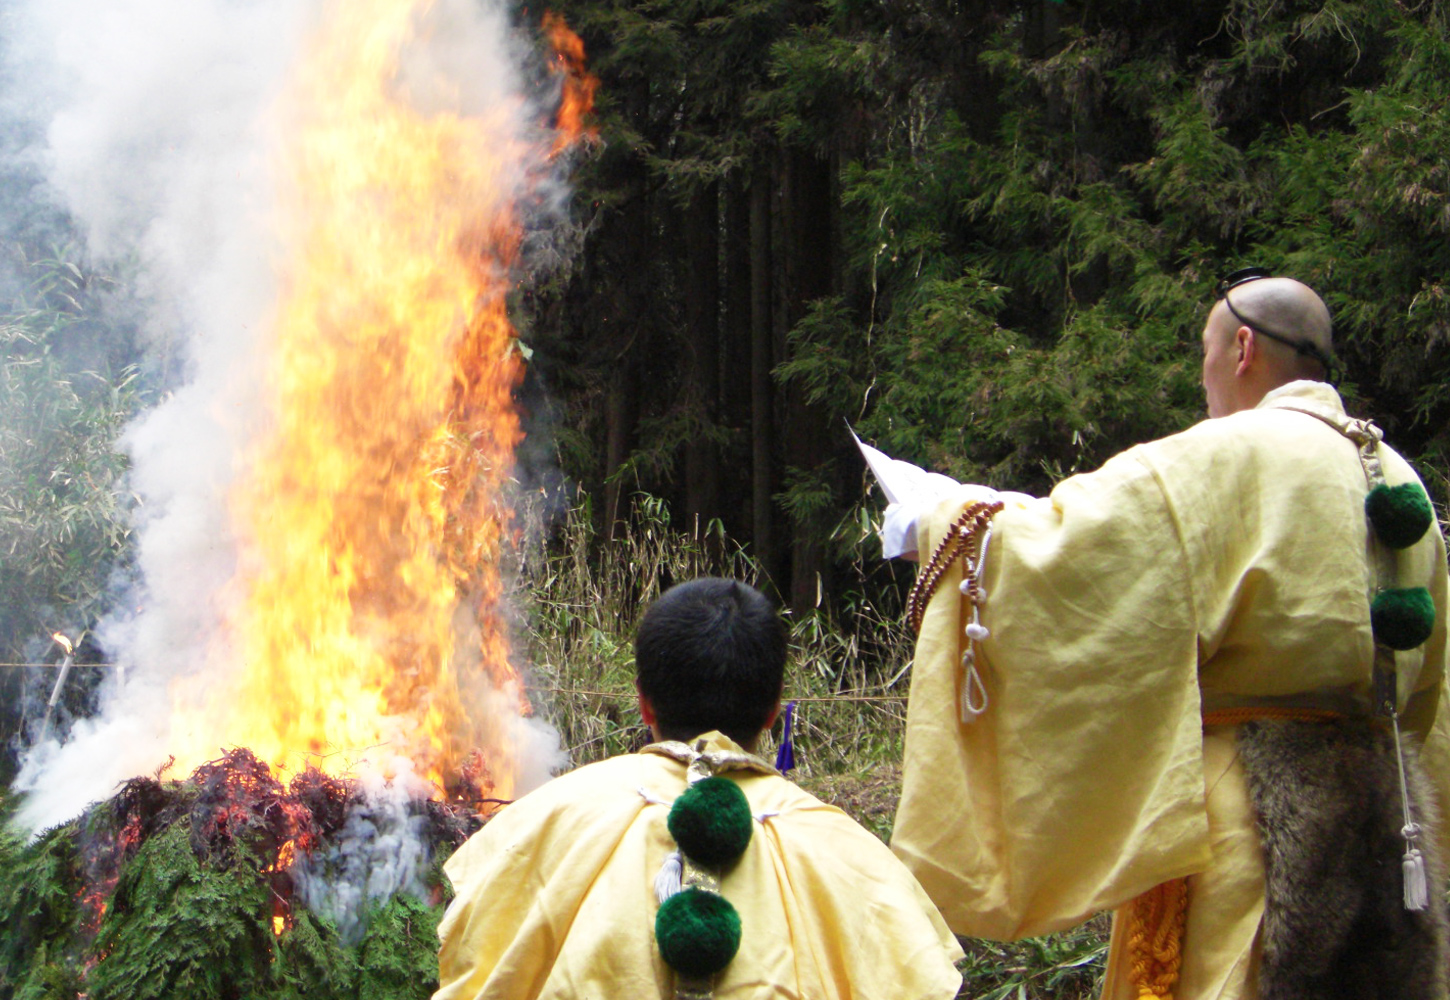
x: 977, y: 632
x: 1410, y: 831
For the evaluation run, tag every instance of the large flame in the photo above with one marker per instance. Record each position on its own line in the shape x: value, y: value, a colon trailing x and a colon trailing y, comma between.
x: 366, y: 610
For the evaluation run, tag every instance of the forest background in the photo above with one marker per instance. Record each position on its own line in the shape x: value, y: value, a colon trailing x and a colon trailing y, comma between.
x: 983, y: 233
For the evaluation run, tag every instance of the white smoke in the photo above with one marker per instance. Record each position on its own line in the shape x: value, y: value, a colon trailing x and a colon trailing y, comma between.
x: 380, y: 851
x: 158, y: 143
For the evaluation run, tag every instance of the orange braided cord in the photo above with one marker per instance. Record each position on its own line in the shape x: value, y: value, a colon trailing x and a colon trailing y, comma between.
x: 1233, y: 716
x: 1155, y: 939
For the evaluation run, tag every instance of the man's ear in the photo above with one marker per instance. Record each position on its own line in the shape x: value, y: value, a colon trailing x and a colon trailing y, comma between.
x: 774, y: 714
x: 1245, y: 341
x: 646, y: 709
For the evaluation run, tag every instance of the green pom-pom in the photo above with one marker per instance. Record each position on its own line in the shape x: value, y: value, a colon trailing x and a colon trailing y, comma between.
x: 698, y: 932
x: 711, y: 822
x: 1402, y: 619
x: 1400, y: 515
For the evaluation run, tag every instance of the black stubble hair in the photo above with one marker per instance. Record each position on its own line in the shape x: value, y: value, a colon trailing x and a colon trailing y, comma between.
x: 710, y: 654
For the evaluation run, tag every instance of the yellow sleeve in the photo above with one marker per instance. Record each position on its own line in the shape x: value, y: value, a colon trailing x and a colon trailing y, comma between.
x: 1082, y: 784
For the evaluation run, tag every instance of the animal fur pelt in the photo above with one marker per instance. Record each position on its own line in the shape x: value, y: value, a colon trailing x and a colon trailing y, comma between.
x: 1327, y: 797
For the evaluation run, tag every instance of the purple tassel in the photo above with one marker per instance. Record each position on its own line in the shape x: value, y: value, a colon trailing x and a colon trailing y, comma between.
x: 785, y: 755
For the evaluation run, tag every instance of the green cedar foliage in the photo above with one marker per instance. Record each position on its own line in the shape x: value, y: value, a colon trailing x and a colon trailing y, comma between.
x: 41, y: 915
x: 398, y: 958
x: 178, y: 927
x: 1038, y: 260
x: 313, y: 965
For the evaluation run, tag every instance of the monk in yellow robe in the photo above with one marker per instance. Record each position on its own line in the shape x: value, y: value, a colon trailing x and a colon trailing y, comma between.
x: 1087, y: 690
x: 564, y: 894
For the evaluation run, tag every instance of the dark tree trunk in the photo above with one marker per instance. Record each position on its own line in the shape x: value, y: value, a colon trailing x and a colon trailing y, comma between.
x: 702, y: 351
x: 808, y: 218
x: 628, y: 325
x: 762, y: 360
x: 735, y: 370
x: 620, y: 417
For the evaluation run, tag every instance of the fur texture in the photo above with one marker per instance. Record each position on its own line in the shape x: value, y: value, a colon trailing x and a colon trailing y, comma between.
x: 1327, y: 798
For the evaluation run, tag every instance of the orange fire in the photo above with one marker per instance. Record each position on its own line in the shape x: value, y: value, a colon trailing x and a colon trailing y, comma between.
x: 577, y: 99
x: 366, y: 609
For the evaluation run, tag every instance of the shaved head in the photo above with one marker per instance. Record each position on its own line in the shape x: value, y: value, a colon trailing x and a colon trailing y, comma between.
x: 1291, y: 309
x: 1263, y: 334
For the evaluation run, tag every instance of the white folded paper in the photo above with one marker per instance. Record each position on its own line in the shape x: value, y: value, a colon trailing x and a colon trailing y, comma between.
x: 912, y: 493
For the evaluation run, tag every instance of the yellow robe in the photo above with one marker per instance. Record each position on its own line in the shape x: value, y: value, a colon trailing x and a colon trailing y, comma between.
x: 556, y: 899
x: 1221, y: 567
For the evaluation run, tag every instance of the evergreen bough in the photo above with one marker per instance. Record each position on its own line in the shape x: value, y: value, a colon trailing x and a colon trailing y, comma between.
x: 191, y: 912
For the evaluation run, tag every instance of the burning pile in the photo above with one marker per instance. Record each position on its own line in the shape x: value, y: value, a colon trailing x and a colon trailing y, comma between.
x: 191, y: 888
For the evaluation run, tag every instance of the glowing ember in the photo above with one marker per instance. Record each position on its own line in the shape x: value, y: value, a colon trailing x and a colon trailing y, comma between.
x: 102, y: 863
x: 63, y: 642
x: 366, y: 606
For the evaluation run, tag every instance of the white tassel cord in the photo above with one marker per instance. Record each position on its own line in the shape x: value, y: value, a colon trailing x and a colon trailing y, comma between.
x: 1417, y: 888
x: 1417, y: 892
x: 672, y: 872
x: 670, y: 877
x: 974, y: 692
x: 982, y: 555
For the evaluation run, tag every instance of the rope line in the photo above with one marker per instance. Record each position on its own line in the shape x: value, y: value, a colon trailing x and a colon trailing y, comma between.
x: 783, y: 697
x: 580, y: 691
